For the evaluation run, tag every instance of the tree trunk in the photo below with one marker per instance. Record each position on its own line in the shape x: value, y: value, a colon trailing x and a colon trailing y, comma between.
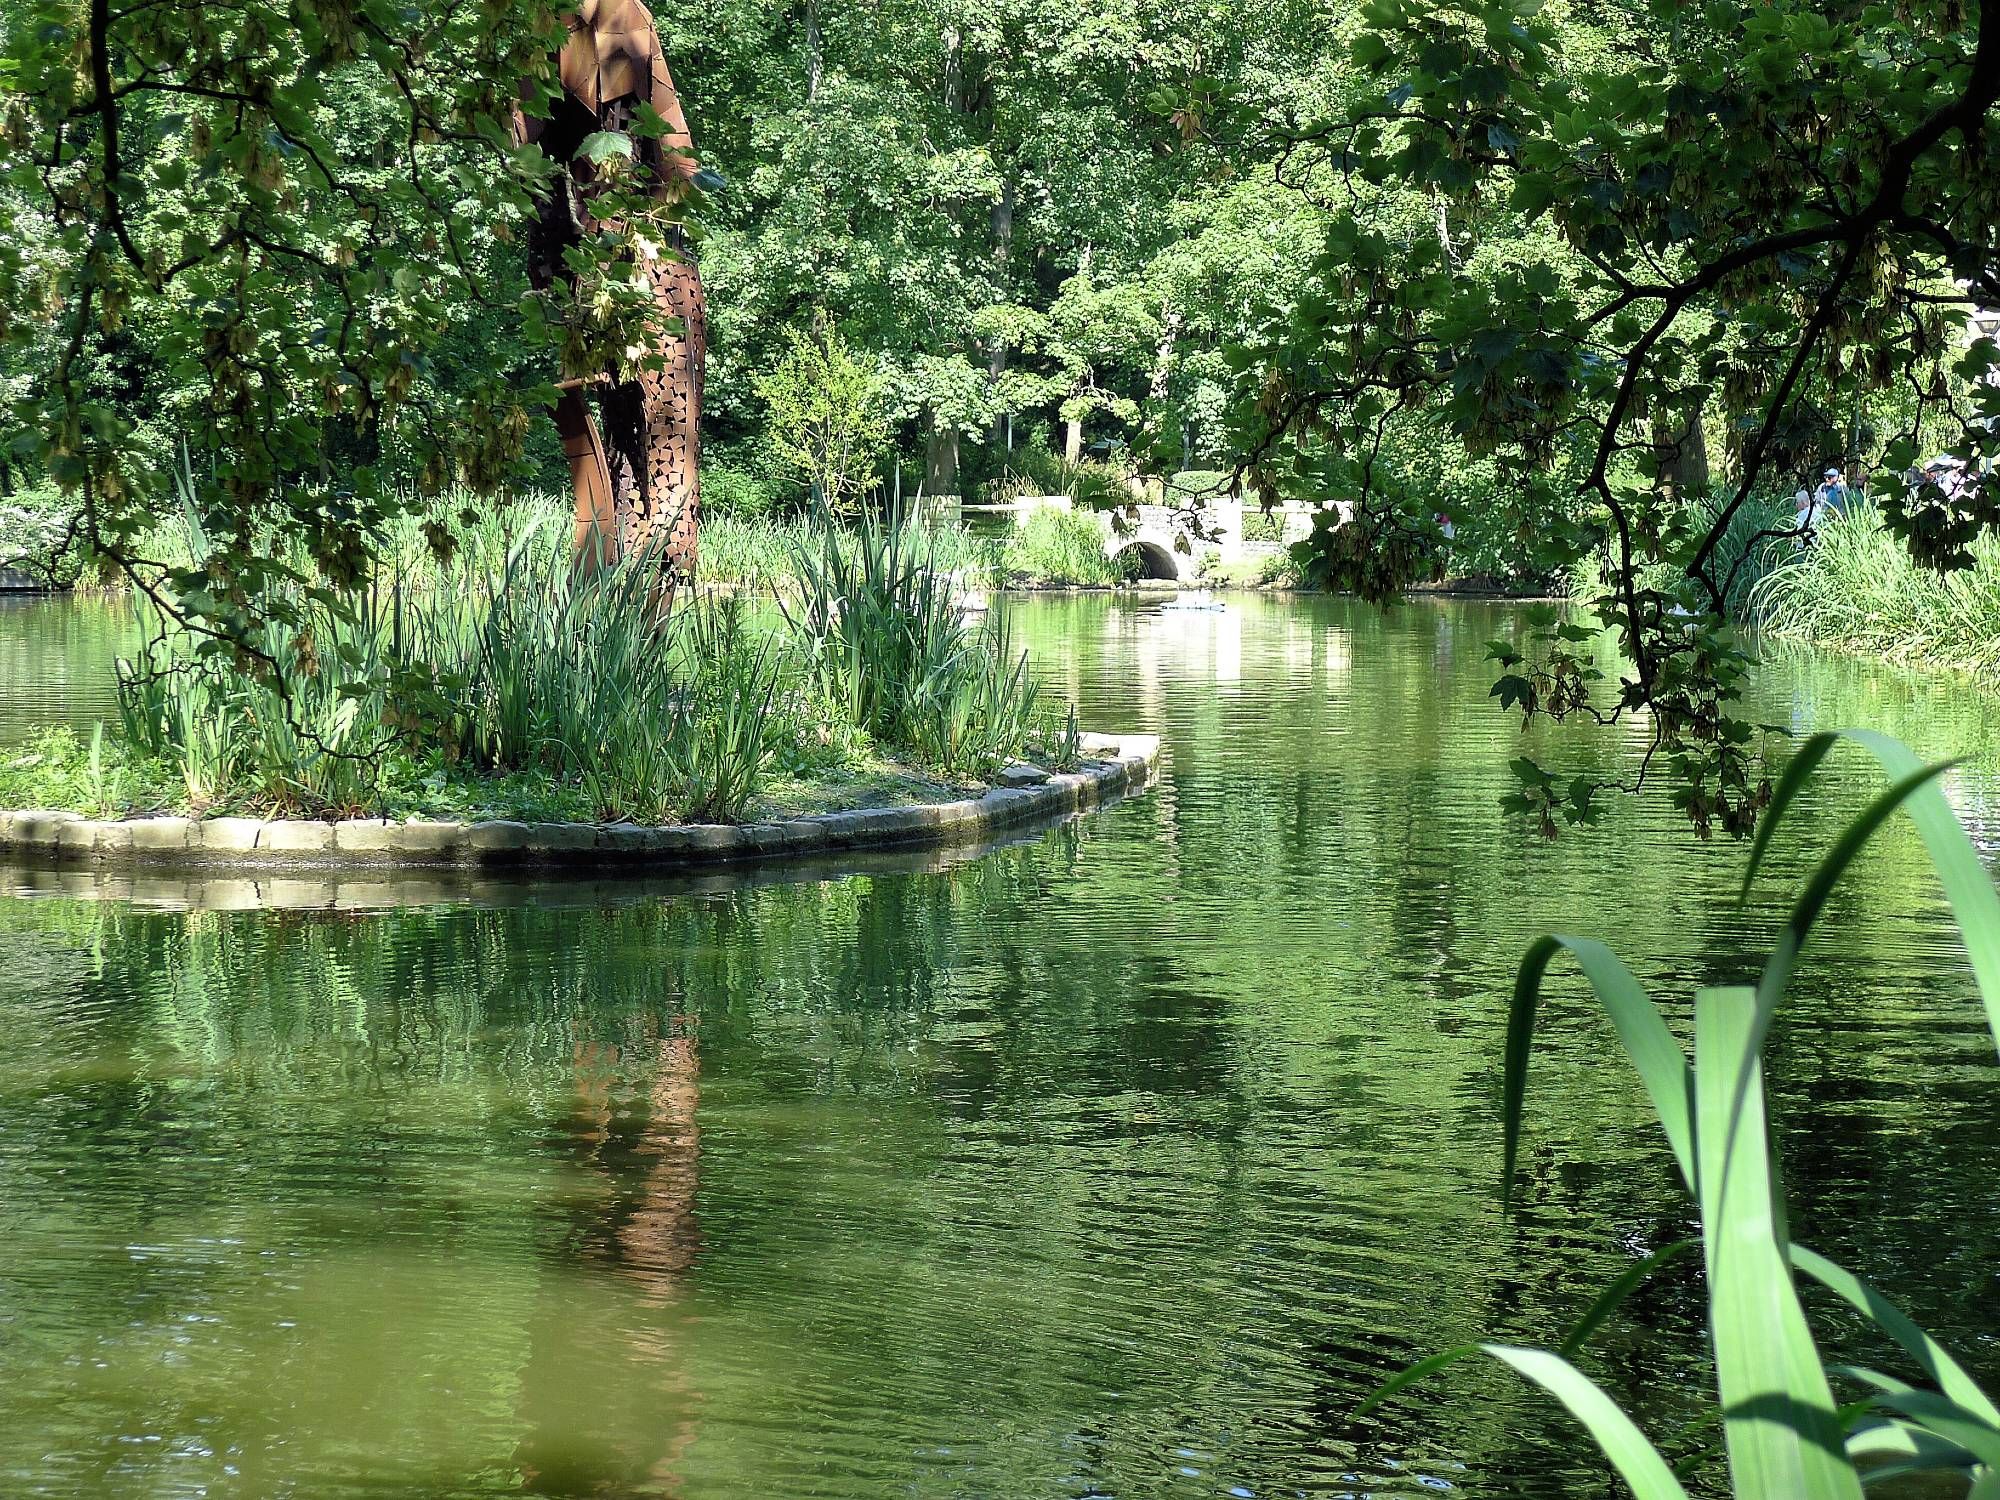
x: 1002, y: 219
x: 815, y: 57
x: 1163, y: 361
x: 1073, y: 440
x: 1681, y: 455
x: 940, y: 460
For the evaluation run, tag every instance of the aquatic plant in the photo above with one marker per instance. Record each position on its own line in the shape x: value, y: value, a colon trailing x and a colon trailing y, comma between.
x: 297, y: 714
x: 1784, y: 1432
x: 887, y: 645
x: 1856, y: 587
x: 657, y: 713
x: 1053, y: 545
x: 763, y: 551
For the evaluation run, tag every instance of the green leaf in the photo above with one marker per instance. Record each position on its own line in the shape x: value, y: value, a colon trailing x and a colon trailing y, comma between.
x: 1894, y: 1446
x: 1663, y: 1067
x: 1637, y: 1461
x: 1930, y: 1355
x: 1370, y: 51
x: 1936, y: 1414
x: 1512, y: 689
x: 602, y: 145
x: 1780, y: 1427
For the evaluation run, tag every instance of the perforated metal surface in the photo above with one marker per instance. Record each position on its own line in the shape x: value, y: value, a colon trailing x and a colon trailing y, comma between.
x: 635, y: 464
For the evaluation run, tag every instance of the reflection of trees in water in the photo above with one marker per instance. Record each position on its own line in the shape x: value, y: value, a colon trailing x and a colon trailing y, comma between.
x: 1223, y: 1102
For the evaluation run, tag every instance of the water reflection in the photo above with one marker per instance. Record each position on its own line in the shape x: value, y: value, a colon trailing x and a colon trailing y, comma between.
x: 1118, y: 1161
x: 612, y: 1410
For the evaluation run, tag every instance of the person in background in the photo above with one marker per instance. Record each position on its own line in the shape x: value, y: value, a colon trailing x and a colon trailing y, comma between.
x: 1946, y: 473
x: 1831, y: 498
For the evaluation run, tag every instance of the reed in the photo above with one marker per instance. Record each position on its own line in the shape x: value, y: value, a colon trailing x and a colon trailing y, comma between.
x: 656, y: 714
x: 886, y: 645
x: 1855, y: 587
x: 1783, y: 1430
x: 763, y: 551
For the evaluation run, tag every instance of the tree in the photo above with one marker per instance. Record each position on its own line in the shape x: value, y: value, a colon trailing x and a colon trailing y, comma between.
x: 827, y: 423
x: 922, y: 168
x: 1753, y: 211
x: 240, y: 244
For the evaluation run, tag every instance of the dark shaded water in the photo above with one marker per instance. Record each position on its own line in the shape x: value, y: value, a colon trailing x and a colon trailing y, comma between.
x: 1118, y: 1163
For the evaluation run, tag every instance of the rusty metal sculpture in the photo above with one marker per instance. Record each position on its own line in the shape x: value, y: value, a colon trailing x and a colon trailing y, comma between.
x: 637, y: 486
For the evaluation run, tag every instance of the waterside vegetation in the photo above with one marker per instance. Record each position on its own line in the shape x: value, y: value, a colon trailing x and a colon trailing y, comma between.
x: 495, y: 678
x: 1783, y: 1430
x: 1856, y: 588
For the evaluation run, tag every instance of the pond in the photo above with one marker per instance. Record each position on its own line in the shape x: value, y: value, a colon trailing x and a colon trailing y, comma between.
x: 1118, y: 1162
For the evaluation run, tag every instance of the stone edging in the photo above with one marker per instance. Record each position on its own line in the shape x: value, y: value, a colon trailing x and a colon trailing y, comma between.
x: 1117, y: 763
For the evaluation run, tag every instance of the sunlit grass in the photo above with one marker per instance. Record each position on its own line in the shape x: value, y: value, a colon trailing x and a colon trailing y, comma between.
x: 1855, y: 587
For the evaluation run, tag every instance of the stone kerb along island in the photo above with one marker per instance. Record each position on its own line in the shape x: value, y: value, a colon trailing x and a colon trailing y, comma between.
x: 1114, y: 764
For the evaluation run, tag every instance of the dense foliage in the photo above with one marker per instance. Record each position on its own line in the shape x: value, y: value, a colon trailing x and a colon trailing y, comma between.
x: 1765, y: 222
x: 1549, y: 293
x: 265, y: 246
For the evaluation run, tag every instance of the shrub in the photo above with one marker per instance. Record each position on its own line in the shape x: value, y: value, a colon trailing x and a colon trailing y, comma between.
x: 828, y: 420
x: 1053, y: 545
x: 1197, y: 487
x: 1262, y: 526
x: 733, y: 492
x: 35, y: 536
x: 1092, y: 484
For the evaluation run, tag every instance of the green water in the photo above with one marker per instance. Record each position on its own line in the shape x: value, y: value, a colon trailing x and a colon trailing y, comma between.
x: 1120, y: 1161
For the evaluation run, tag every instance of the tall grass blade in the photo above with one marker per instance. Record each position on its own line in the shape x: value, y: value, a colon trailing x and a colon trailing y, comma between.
x: 1825, y: 876
x: 1421, y: 1370
x: 1974, y: 902
x: 1931, y: 1356
x: 1637, y: 1461
x: 1662, y: 1065
x: 1780, y: 1427
x: 1613, y: 1296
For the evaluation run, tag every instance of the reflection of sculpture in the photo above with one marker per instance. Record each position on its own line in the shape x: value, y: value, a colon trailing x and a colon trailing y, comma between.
x: 606, y: 1401
x: 636, y: 486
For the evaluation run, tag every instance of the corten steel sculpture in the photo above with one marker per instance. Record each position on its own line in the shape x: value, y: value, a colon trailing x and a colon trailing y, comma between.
x: 636, y: 485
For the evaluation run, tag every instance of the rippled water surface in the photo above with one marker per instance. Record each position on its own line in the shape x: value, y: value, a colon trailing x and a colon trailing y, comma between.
x: 1117, y: 1162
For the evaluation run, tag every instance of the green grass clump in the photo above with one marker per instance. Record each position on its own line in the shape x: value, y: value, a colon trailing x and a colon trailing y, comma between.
x: 651, y: 714
x: 492, y: 678
x: 887, y: 647
x: 1054, y: 546
x: 1855, y: 587
x: 94, y: 773
x: 763, y: 551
